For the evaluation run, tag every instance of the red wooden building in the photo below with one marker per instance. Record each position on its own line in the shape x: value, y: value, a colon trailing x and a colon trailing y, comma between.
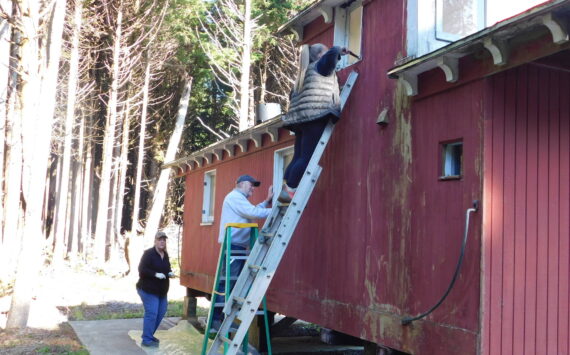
x: 442, y: 114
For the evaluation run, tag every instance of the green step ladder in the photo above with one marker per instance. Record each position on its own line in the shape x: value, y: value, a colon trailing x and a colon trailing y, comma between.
x: 227, y: 255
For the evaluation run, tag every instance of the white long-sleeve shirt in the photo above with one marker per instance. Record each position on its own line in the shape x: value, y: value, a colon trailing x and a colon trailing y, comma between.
x: 237, y: 209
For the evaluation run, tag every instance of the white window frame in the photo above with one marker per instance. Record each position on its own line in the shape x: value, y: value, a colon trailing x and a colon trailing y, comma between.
x: 424, y: 34
x: 207, y: 202
x: 279, y: 169
x: 341, y: 29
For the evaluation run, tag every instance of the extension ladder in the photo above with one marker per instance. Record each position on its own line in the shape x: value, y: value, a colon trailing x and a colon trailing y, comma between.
x: 227, y: 255
x: 262, y: 263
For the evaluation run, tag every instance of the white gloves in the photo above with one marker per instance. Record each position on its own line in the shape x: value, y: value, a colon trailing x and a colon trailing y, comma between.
x: 159, y: 275
x: 171, y: 274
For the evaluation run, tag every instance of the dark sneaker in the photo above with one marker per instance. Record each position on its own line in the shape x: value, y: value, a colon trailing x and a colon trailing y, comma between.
x: 150, y: 344
x: 155, y: 339
x: 216, y: 324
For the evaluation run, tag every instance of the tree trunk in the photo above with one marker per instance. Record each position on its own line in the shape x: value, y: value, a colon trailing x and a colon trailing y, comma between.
x: 244, y: 118
x: 162, y: 185
x: 62, y: 197
x: 77, y: 194
x: 36, y: 135
x: 87, y: 188
x: 5, y: 30
x: 13, y: 174
x: 101, y: 230
x: 122, y: 176
x: 140, y: 156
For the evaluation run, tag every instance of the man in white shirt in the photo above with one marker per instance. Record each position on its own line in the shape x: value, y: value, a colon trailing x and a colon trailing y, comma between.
x: 237, y: 209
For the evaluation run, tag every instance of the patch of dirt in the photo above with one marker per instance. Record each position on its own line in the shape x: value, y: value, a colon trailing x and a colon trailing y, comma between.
x: 33, y: 341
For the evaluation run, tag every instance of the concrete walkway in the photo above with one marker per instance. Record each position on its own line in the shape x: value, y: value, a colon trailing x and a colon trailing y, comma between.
x: 103, y: 337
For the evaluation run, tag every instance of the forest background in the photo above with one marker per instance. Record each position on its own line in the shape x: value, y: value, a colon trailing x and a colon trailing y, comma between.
x: 95, y: 95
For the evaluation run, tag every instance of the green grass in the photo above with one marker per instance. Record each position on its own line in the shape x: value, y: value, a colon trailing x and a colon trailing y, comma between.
x: 60, y: 350
x: 83, y: 312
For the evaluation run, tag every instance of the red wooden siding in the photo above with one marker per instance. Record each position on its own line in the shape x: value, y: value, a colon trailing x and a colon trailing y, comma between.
x: 380, y: 237
x: 526, y: 213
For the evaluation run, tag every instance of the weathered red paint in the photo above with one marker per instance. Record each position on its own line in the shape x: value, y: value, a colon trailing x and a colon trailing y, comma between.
x: 526, y: 233
x: 381, y: 235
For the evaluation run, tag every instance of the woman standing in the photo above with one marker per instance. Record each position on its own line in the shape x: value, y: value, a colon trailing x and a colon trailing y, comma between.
x: 152, y: 287
x: 314, y: 101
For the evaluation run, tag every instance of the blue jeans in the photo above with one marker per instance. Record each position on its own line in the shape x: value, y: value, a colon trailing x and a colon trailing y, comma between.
x: 235, y: 269
x: 154, y: 311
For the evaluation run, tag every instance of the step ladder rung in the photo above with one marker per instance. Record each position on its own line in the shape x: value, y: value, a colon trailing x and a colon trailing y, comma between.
x: 239, y: 252
x: 239, y: 257
x: 232, y: 278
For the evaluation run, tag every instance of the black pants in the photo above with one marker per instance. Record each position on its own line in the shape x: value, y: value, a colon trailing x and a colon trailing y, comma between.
x: 307, y: 135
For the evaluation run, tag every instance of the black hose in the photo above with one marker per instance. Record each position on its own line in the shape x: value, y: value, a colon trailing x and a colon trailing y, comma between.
x: 408, y: 320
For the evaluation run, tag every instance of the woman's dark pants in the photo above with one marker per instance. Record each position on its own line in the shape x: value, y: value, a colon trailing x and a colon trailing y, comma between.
x: 307, y: 135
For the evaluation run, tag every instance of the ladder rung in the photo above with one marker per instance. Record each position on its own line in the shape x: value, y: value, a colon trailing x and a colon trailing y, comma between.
x: 267, y: 234
x: 225, y: 339
x: 257, y: 267
x: 239, y: 300
x: 219, y: 304
x: 263, y: 239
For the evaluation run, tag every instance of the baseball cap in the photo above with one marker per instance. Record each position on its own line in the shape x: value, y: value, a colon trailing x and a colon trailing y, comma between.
x: 159, y: 235
x: 248, y: 178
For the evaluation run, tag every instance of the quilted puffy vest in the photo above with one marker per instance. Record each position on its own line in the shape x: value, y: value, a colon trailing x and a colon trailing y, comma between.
x: 318, y: 98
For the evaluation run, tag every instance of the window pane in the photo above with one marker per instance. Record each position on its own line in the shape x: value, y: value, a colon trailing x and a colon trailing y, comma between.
x: 212, y: 194
x: 287, y: 158
x: 354, y: 33
x: 458, y: 18
x: 452, y: 159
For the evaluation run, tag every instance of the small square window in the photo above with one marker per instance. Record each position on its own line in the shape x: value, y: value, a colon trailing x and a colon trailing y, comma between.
x: 452, y: 160
x: 209, y: 197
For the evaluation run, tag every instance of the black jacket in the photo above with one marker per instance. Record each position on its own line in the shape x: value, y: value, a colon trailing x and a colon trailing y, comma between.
x: 150, y: 264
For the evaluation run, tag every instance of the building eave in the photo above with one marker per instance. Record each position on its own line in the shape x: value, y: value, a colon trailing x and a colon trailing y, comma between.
x: 495, y: 39
x: 319, y: 8
x: 241, y: 140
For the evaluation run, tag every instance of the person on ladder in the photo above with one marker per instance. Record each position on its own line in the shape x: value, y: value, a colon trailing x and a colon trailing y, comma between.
x: 237, y: 209
x: 314, y: 101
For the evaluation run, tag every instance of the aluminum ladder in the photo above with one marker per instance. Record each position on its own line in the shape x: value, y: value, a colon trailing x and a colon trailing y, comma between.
x: 262, y: 263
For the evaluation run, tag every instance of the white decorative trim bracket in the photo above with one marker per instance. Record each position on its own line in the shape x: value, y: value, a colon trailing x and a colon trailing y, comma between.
x: 450, y: 67
x: 498, y: 49
x: 410, y: 82
x: 556, y: 28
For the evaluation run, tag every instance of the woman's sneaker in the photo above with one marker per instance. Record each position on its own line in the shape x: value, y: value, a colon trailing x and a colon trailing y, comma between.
x: 150, y: 344
x: 286, y: 195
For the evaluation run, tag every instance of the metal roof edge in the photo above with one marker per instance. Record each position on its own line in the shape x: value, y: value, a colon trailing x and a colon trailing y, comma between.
x: 241, y: 139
